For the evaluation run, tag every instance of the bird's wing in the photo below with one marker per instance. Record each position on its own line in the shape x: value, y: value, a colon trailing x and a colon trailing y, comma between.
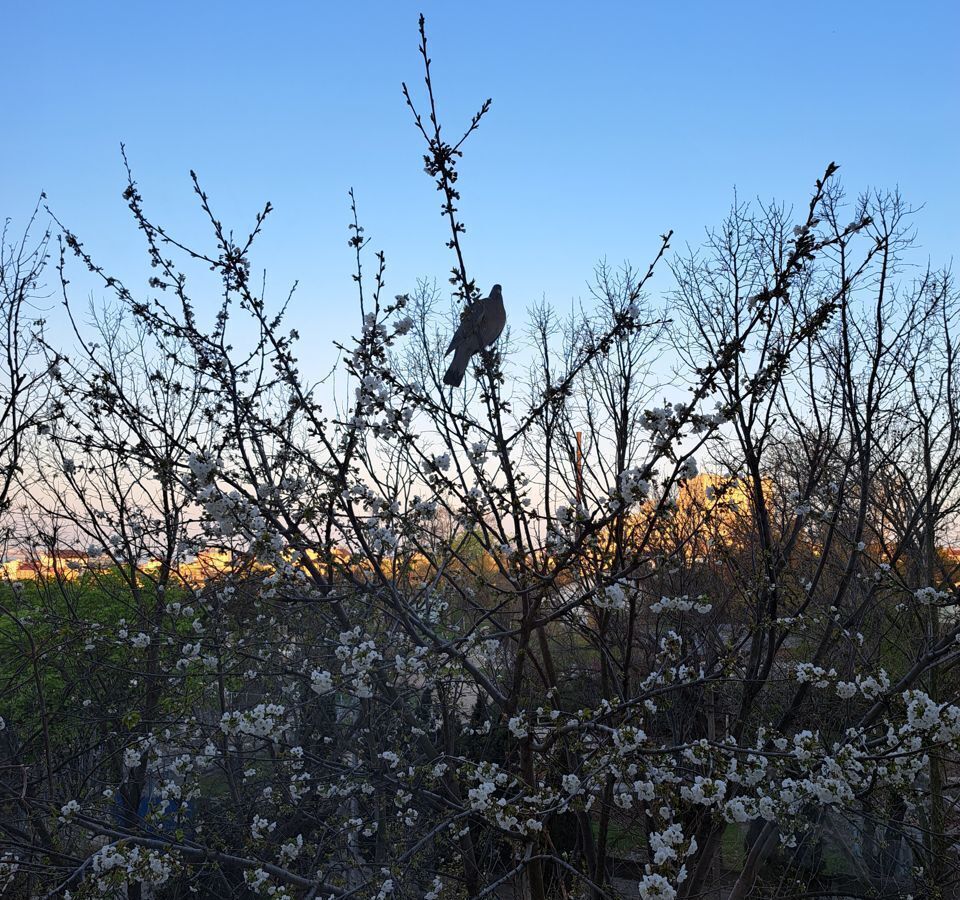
x: 470, y: 324
x: 494, y: 323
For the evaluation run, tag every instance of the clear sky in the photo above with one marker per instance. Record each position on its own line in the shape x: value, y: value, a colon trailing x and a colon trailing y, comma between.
x: 611, y: 123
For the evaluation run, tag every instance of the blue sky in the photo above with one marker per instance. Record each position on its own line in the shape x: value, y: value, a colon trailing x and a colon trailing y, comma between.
x: 611, y: 123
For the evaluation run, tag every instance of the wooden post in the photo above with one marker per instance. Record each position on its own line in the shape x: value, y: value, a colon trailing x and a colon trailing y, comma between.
x: 579, y: 468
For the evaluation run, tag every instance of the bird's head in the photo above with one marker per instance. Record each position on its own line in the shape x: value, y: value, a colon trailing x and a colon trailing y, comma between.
x: 495, y: 291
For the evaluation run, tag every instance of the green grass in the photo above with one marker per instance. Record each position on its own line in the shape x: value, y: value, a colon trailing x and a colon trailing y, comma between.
x: 732, y: 853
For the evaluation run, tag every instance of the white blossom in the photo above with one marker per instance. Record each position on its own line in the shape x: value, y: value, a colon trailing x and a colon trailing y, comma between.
x: 321, y: 681
x: 656, y: 887
x: 571, y: 784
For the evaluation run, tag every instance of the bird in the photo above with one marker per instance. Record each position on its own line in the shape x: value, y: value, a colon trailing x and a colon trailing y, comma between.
x: 480, y: 326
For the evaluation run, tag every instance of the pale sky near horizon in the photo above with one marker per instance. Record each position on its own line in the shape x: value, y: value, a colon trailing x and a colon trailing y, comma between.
x: 611, y: 123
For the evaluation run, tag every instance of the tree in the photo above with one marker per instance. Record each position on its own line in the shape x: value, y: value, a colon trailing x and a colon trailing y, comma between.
x: 24, y: 387
x: 497, y: 637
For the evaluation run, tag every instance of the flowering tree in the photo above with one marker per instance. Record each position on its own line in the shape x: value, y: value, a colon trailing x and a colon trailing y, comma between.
x: 498, y: 637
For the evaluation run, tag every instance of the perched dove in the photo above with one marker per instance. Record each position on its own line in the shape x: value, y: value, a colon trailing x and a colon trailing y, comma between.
x: 480, y: 326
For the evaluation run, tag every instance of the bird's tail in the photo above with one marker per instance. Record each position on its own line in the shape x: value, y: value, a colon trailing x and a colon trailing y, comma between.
x: 454, y: 374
